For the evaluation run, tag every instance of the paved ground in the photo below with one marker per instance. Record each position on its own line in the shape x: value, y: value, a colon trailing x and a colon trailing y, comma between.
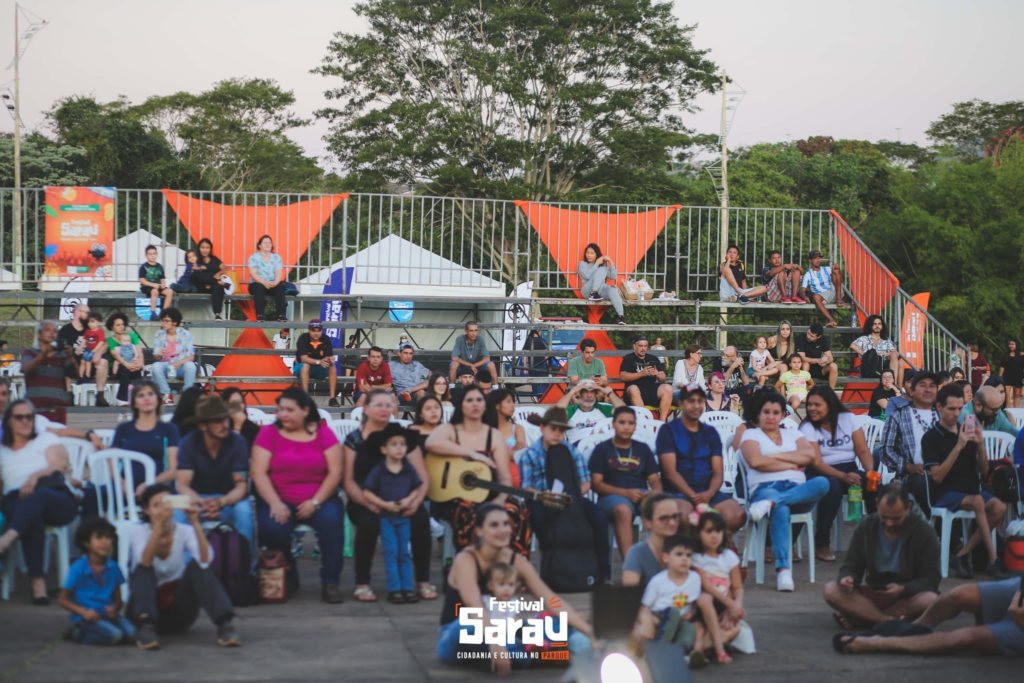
x: 306, y: 640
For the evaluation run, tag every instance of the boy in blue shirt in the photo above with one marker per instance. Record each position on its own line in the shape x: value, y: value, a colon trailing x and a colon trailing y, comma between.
x: 92, y: 590
x: 392, y: 486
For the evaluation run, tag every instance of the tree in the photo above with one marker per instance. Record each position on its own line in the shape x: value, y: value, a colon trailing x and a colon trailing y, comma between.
x: 43, y: 162
x: 119, y: 150
x: 234, y: 136
x: 517, y: 99
x: 974, y: 125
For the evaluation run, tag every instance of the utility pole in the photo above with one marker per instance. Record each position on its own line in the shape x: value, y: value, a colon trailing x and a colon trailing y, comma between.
x: 20, y: 45
x: 17, y: 223
x: 719, y: 172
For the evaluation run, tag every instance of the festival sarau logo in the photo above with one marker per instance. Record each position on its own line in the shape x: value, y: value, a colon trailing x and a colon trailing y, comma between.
x: 79, y: 231
x: 525, y: 628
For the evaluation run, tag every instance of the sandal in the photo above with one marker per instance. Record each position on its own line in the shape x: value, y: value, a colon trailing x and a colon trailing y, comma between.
x: 364, y: 594
x: 841, y: 642
x: 843, y: 622
x: 723, y: 658
x: 427, y: 591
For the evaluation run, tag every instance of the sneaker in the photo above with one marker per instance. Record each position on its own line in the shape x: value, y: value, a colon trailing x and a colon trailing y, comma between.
x: 784, y: 581
x: 146, y: 638
x: 743, y: 299
x: 227, y: 636
x: 798, y: 300
x: 331, y: 595
x: 218, y: 316
x: 315, y: 554
x: 101, y: 401
x: 697, y: 659
x: 760, y: 510
x: 169, y: 400
x: 620, y: 321
x: 334, y: 403
x: 436, y: 528
x: 594, y: 296
x: 411, y: 596
x: 297, y: 548
x: 122, y: 404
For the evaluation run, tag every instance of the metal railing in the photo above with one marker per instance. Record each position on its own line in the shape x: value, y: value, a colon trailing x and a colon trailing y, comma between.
x: 923, y: 341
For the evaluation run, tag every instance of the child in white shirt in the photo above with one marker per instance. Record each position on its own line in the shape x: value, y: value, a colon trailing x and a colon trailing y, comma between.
x: 671, y: 596
x: 762, y: 365
x: 719, y: 568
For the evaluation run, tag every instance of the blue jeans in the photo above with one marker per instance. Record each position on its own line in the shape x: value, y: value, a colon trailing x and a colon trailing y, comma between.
x: 238, y: 515
x: 103, y: 632
x: 186, y: 373
x: 31, y: 515
x: 394, y: 537
x: 329, y: 526
x: 786, y: 495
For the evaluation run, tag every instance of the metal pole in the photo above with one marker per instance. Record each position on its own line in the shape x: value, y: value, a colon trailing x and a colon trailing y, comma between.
x: 17, y: 224
x: 723, y: 213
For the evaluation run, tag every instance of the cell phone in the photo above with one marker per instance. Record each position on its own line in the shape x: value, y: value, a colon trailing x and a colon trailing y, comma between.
x: 179, y: 502
x: 970, y: 423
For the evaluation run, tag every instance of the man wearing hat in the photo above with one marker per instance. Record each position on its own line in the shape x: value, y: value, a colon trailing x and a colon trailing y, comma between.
x: 690, y: 454
x: 533, y: 468
x: 823, y: 285
x: 213, y: 463
x: 314, y: 355
x: 408, y: 376
x: 588, y: 404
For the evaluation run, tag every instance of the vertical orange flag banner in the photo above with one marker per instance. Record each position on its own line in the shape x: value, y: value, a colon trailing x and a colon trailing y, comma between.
x: 912, y: 334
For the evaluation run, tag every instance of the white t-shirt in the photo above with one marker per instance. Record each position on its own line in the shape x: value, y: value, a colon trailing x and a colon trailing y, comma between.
x: 682, y: 375
x: 581, y: 423
x: 768, y: 449
x: 662, y: 592
x: 838, y: 450
x: 17, y: 466
x: 171, y: 568
x: 717, y: 570
x: 759, y: 359
x: 919, y: 418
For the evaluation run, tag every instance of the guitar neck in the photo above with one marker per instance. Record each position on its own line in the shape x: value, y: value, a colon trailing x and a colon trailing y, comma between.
x: 503, y: 488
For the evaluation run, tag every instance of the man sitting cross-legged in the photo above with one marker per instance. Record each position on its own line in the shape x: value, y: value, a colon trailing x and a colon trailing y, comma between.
x: 891, y: 569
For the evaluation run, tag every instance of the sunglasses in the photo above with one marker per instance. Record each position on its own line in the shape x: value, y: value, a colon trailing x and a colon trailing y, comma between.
x: 23, y: 417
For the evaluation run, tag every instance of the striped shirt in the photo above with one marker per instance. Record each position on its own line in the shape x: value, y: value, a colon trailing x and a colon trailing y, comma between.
x: 45, y: 386
x: 818, y: 281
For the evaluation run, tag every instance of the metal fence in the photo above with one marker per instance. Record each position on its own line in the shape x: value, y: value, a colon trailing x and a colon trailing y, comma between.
x: 404, y: 240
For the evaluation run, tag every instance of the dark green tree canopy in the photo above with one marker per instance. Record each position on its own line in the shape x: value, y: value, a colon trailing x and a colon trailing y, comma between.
x: 974, y: 125
x: 523, y: 98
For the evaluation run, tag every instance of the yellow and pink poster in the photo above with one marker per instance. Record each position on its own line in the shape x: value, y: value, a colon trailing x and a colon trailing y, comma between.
x: 79, y: 231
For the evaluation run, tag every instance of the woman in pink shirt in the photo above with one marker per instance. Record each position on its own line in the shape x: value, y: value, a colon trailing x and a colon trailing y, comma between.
x: 296, y: 469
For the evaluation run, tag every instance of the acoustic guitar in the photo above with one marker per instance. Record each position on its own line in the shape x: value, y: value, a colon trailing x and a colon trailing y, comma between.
x: 455, y: 478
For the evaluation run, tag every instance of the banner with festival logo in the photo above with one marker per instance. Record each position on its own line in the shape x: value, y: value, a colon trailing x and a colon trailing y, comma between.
x: 79, y: 231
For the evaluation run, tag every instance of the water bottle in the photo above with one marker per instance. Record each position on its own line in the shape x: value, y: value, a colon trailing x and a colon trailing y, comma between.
x: 854, y: 503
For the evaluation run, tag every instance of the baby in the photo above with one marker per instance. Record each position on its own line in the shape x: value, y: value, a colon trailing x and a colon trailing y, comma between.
x: 126, y: 350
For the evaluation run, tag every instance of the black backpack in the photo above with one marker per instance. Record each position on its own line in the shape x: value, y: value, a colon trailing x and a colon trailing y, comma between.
x: 232, y: 565
x: 568, y: 561
x: 871, y: 365
x: 1002, y: 481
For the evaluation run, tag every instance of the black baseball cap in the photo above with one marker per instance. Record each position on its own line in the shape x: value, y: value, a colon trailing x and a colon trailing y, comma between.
x: 814, y: 254
x: 923, y: 375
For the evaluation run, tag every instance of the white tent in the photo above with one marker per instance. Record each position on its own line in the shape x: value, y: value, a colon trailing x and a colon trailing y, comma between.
x: 398, y: 269
x: 8, y: 281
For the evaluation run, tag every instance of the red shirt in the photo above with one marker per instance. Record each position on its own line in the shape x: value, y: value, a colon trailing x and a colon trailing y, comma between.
x: 375, y: 378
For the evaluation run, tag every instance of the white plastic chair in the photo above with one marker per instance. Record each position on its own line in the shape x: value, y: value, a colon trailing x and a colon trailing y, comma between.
x: 946, y: 517
x: 643, y: 412
x: 117, y: 503
x: 588, y: 443
x: 998, y: 444
x: 356, y: 414
x: 872, y: 431
x: 83, y: 394
x: 79, y: 451
x: 1018, y: 416
x: 105, y: 435
x: 721, y: 417
x: 447, y: 412
x: 532, y: 432
x: 342, y: 428
x: 756, y: 534
x: 325, y: 415
x: 258, y: 416
x: 647, y: 432
x: 523, y: 412
x: 730, y: 465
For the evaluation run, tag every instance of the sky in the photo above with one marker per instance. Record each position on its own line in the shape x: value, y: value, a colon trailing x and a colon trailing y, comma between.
x: 809, y: 67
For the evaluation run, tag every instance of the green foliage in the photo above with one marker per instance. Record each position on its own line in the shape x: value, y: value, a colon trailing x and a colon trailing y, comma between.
x: 543, y: 100
x: 43, y: 162
x: 974, y: 125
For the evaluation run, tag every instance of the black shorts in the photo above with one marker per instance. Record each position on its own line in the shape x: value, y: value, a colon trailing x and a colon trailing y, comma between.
x: 149, y: 290
x: 817, y: 371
